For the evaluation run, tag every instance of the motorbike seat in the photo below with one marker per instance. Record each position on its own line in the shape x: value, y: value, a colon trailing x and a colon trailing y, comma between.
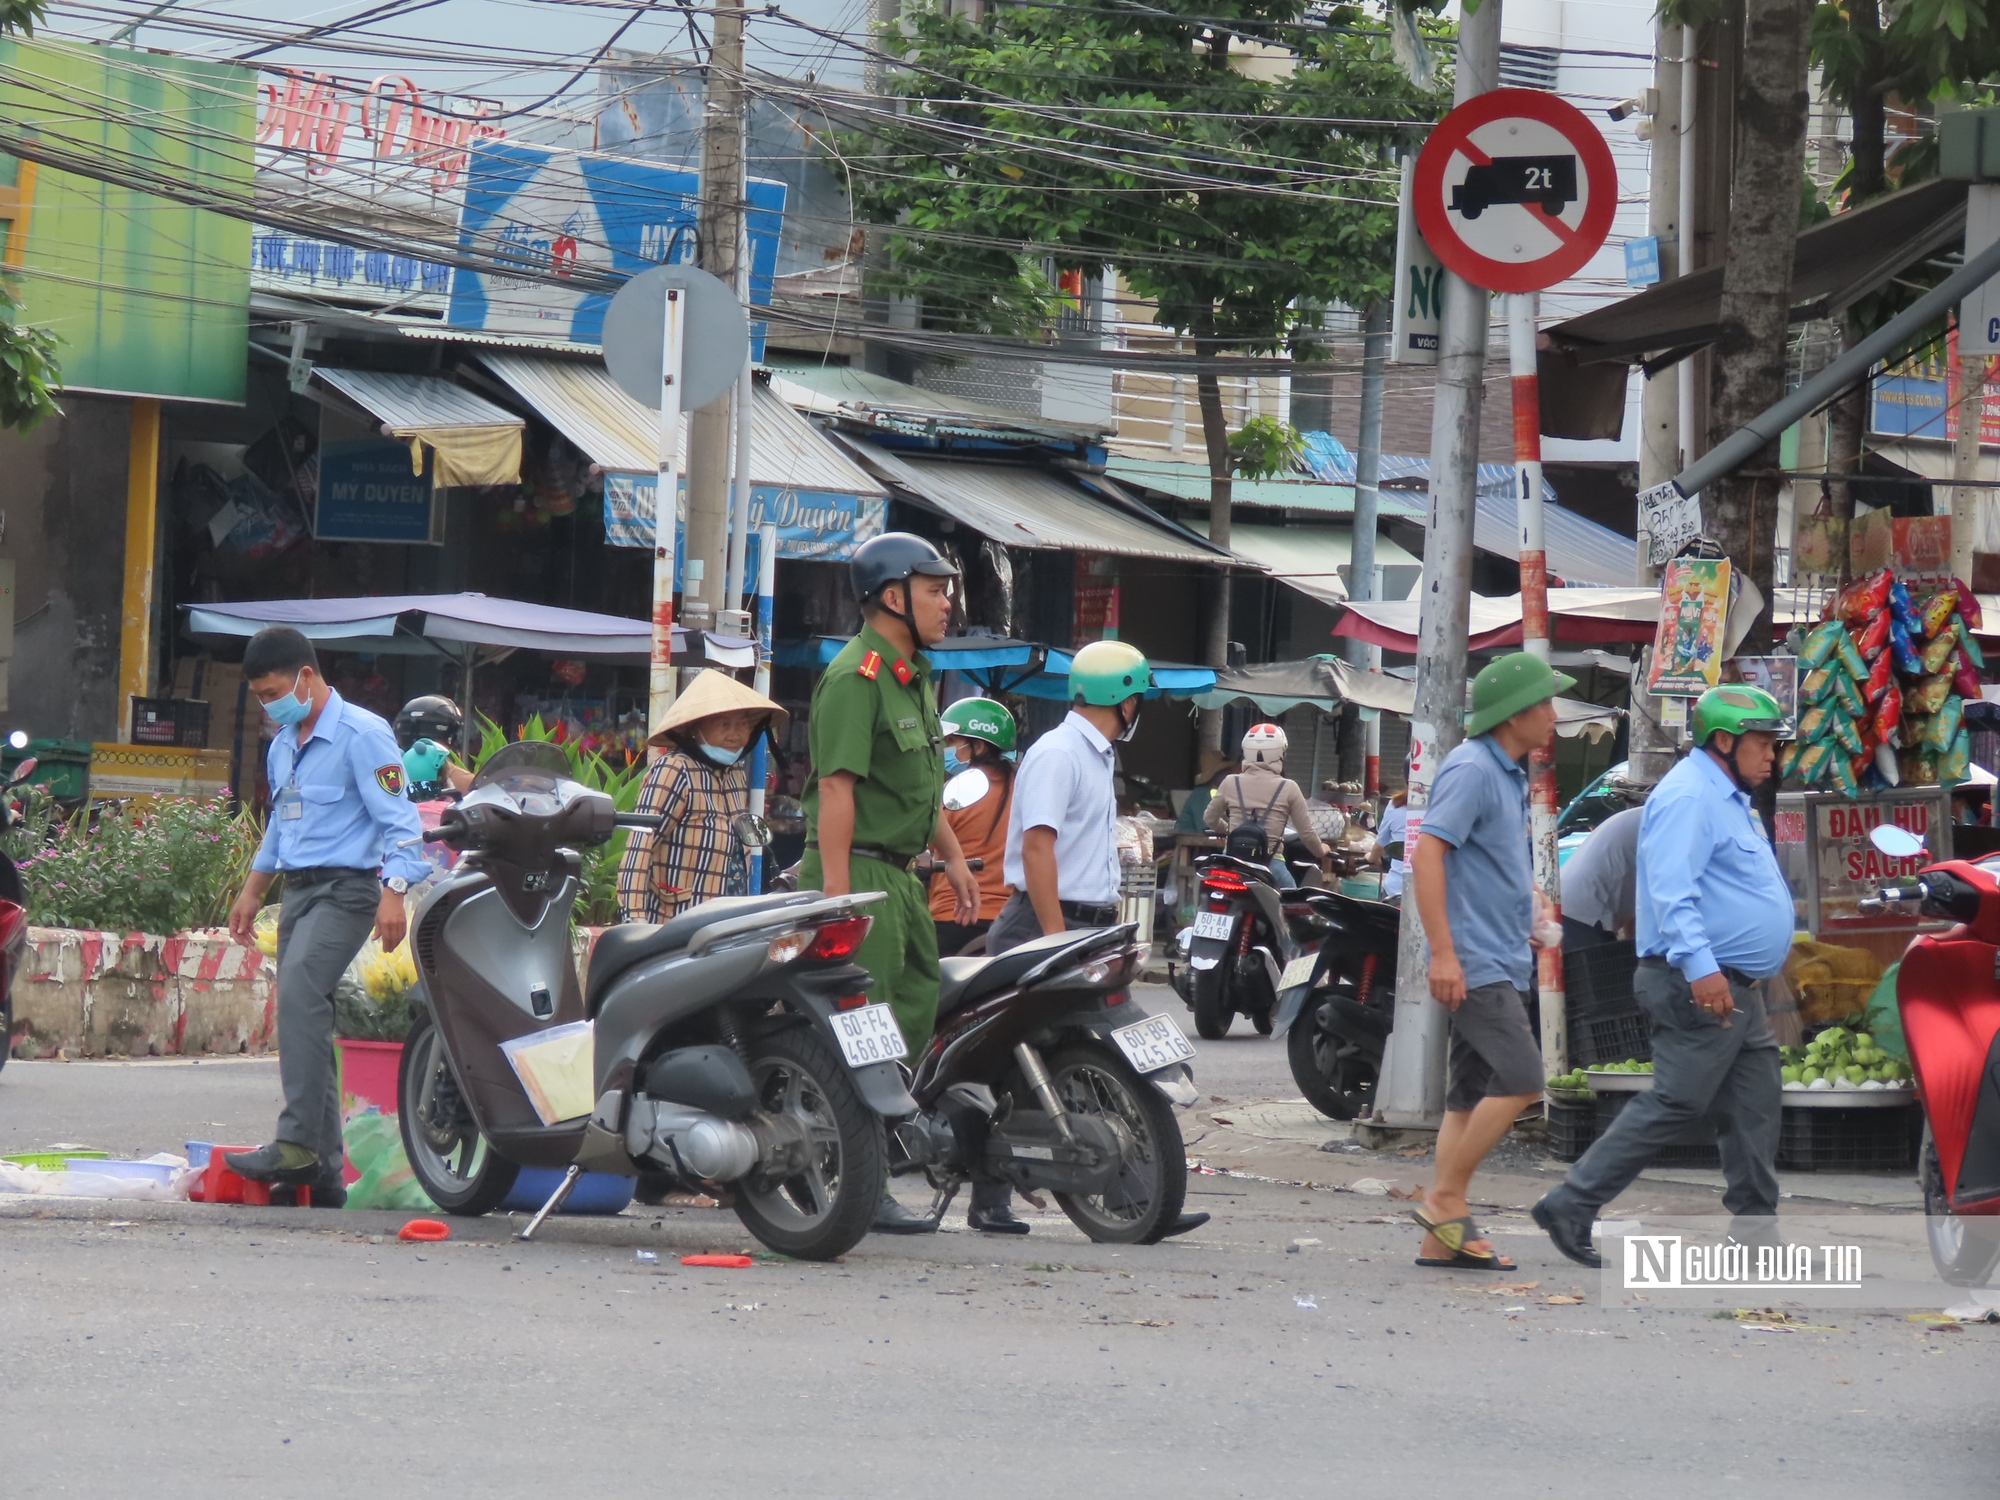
x: 964, y: 980
x: 623, y: 948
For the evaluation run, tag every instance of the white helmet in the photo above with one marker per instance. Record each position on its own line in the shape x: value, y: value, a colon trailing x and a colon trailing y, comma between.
x: 1264, y: 745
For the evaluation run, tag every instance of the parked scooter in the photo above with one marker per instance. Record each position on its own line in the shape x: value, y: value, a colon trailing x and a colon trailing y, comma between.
x: 1948, y: 991
x: 732, y: 1046
x: 1337, y: 1001
x: 1236, y: 948
x: 13, y: 910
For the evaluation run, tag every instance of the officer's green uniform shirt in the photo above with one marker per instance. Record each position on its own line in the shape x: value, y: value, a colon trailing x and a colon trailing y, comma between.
x: 874, y: 714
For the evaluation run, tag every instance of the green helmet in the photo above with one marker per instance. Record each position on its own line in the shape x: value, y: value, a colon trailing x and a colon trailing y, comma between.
x: 980, y: 719
x: 1509, y: 684
x: 1734, y: 708
x: 1105, y: 673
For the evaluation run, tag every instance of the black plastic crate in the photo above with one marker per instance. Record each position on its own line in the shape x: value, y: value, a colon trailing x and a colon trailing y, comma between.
x: 1572, y: 1127
x: 1693, y: 1147
x: 170, y: 721
x: 1610, y: 1036
x: 1850, y: 1140
x: 1598, y: 981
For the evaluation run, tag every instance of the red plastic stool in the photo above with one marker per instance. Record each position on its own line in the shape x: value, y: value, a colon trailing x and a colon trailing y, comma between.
x: 217, y: 1184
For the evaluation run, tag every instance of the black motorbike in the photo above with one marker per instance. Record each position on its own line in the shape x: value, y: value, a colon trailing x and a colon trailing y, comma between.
x: 1337, y: 1001
x: 1237, y: 946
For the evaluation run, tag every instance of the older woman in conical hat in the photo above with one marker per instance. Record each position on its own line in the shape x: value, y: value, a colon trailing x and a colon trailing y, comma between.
x: 697, y: 788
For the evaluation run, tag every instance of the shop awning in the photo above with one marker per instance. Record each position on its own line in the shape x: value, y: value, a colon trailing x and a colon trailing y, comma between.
x: 1322, y: 682
x: 474, y: 441
x: 1020, y: 506
x: 959, y: 653
x: 1834, y: 264
x: 1309, y: 558
x: 463, y: 625
x: 1580, y: 616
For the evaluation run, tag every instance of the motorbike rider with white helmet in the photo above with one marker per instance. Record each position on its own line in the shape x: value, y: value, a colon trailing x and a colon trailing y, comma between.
x: 1262, y: 793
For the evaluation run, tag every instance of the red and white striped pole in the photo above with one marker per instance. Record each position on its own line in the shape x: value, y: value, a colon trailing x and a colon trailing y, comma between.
x: 1535, y: 639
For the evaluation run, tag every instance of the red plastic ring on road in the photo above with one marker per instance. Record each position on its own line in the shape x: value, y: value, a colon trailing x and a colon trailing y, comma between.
x: 424, y: 1229
x: 728, y: 1262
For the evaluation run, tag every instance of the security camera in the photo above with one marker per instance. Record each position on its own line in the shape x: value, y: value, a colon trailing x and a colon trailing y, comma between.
x: 1645, y: 102
x: 1624, y: 109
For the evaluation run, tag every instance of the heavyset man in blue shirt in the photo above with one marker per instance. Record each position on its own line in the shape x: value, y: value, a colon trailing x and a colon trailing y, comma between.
x: 1714, y: 919
x: 338, y: 832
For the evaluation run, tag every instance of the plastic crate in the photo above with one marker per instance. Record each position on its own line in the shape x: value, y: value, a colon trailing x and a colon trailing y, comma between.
x: 1572, y: 1127
x: 1850, y: 1140
x: 181, y: 722
x: 1693, y: 1147
x: 1609, y: 1036
x: 62, y: 767
x: 1598, y: 980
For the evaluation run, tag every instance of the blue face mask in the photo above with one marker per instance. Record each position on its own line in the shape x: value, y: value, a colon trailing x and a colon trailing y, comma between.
x: 953, y: 764
x: 719, y: 755
x: 289, y: 709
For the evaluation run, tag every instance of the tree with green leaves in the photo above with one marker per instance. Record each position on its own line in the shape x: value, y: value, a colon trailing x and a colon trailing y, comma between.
x: 1231, y: 159
x: 29, y: 377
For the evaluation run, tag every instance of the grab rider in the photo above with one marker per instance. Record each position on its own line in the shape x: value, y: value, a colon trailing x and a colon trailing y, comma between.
x: 874, y: 796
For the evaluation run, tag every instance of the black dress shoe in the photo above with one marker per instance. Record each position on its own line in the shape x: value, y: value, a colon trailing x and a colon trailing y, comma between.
x: 1570, y: 1237
x: 1182, y: 1225
x: 892, y: 1218
x: 329, y: 1192
x: 281, y: 1161
x: 998, y: 1220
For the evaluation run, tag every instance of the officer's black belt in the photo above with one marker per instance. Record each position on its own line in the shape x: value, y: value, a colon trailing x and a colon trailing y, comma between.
x: 300, y: 879
x: 1089, y: 915
x: 902, y: 862
x: 1734, y: 976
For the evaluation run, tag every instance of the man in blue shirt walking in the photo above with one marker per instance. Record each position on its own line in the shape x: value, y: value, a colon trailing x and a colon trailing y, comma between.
x: 1474, y: 878
x: 345, y: 838
x: 1714, y: 919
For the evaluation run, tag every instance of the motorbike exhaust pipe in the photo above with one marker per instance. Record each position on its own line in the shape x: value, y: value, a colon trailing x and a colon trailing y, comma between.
x: 1045, y: 1090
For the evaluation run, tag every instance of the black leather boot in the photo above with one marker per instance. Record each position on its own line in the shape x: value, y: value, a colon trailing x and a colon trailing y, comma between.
x: 990, y: 1213
x: 892, y: 1218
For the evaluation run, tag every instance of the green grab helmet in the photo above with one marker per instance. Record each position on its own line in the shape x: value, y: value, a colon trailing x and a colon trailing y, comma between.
x: 1734, y: 708
x: 1106, y: 673
x: 980, y: 719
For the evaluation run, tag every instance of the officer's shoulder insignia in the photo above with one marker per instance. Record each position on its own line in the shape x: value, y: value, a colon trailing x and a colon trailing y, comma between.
x: 390, y: 779
x: 906, y: 723
x: 902, y: 671
x: 870, y: 665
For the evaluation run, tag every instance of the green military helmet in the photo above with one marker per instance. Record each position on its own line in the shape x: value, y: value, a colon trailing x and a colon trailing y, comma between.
x: 1106, y: 673
x: 980, y: 719
x: 1734, y: 708
x: 1510, y: 683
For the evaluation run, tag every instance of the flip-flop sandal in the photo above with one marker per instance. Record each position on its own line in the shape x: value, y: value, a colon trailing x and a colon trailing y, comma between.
x: 1465, y: 1260
x: 1455, y: 1235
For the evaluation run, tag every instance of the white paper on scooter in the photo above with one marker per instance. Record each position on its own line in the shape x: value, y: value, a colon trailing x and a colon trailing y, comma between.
x: 557, y: 1069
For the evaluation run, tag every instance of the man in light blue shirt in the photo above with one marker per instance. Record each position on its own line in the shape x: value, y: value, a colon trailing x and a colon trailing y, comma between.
x: 345, y: 837
x: 1474, y: 881
x: 1715, y: 918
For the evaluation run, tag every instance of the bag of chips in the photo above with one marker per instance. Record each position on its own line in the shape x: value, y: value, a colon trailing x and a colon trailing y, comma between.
x: 1819, y: 684
x: 1865, y: 597
x: 1944, y: 725
x: 1788, y: 757
x: 1846, y: 735
x: 1900, y: 646
x: 1821, y: 642
x: 1844, y: 777
x: 1816, y: 723
x: 1880, y: 676
x: 1964, y: 681
x: 1968, y: 605
x: 1888, y: 720
x: 1955, y: 764
x: 1965, y: 639
x: 1937, y: 611
x: 1938, y: 651
x: 1814, y: 759
x: 1885, y: 765
x: 1851, y: 658
x: 1904, y: 611
x: 1928, y: 696
x: 1847, y: 692
x: 1875, y: 638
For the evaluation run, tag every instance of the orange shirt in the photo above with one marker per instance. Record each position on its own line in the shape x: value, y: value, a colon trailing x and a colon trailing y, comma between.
x: 982, y: 834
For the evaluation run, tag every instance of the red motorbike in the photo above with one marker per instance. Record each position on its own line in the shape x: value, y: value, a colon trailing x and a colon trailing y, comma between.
x: 1948, y: 991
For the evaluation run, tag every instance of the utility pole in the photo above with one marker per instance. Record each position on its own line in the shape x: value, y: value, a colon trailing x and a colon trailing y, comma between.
x: 1361, y: 560
x: 1411, y: 1093
x: 1650, y: 753
x: 718, y: 230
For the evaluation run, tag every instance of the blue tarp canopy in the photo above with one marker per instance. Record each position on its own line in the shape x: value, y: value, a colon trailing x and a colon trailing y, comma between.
x: 1003, y: 666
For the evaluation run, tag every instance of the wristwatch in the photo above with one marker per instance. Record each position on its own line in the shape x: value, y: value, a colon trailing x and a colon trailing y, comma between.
x: 395, y: 883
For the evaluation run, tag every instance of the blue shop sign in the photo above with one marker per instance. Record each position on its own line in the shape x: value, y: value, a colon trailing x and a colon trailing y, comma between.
x: 812, y: 524
x: 1642, y: 260
x: 368, y: 494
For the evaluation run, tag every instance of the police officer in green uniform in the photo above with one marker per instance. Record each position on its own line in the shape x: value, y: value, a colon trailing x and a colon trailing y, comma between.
x: 874, y: 794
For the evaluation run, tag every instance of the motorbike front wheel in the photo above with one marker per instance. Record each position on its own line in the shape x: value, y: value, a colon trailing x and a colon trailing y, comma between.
x: 452, y: 1161
x: 824, y: 1204
x: 1145, y: 1198
x: 1963, y: 1250
x: 1212, y: 1010
x: 1336, y: 1077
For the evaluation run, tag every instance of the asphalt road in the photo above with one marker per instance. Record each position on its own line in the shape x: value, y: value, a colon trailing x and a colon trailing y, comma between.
x: 179, y: 1350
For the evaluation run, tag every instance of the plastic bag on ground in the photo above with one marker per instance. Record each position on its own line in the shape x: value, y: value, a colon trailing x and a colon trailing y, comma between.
x: 1885, y: 1021
x: 375, y: 1150
x: 82, y: 1184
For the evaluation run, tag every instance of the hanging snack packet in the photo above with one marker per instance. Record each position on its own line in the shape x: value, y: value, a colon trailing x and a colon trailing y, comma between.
x: 1851, y: 658
x: 1916, y: 768
x: 1819, y: 683
x: 1939, y: 650
x: 1788, y: 757
x: 1904, y: 611
x: 1937, y: 611
x: 1964, y: 680
x: 1821, y: 642
x: 1955, y: 765
x: 1813, y: 760
x: 1880, y: 676
x: 1846, y: 735
x: 1888, y: 720
x: 1875, y: 639
x: 1844, y: 777
x: 1865, y: 598
x: 1944, y: 725
x: 1907, y: 661
x: 1972, y: 649
x: 1928, y: 696
x: 1968, y: 605
x: 1847, y: 691
x: 1817, y: 721
x: 1886, y: 767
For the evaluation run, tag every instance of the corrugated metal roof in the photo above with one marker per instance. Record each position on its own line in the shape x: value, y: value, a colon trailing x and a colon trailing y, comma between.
x: 415, y: 403
x: 583, y: 403
x: 1308, y: 558
x: 1189, y: 481
x: 839, y: 389
x: 1027, y: 507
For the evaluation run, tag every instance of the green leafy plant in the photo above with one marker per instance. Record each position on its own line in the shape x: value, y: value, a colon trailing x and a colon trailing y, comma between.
x: 171, y: 867
x: 1264, y: 447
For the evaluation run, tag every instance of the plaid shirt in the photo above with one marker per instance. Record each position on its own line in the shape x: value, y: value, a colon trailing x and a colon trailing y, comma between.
x: 688, y: 859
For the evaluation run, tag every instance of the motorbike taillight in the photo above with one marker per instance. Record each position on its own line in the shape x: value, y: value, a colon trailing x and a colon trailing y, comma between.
x: 13, y: 926
x: 838, y: 940
x: 1223, y: 880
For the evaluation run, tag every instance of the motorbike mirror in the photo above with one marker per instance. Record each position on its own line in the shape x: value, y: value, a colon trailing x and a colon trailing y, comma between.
x: 966, y: 789
x: 751, y: 831
x: 1897, y: 843
x: 23, y: 771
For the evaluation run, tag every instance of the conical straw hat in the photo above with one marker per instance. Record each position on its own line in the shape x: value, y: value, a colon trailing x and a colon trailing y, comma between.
x: 716, y: 692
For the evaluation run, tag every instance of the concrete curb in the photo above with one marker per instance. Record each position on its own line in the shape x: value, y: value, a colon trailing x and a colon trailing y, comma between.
x: 103, y: 994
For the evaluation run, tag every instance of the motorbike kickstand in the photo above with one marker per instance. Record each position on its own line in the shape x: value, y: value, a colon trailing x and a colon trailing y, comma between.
x: 942, y: 1201
x: 556, y: 1201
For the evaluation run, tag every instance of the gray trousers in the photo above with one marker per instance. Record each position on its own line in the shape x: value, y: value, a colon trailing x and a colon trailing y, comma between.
x: 1701, y: 1069
x: 320, y: 929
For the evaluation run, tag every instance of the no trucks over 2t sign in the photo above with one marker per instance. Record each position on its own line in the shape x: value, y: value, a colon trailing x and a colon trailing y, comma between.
x: 1515, y: 190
